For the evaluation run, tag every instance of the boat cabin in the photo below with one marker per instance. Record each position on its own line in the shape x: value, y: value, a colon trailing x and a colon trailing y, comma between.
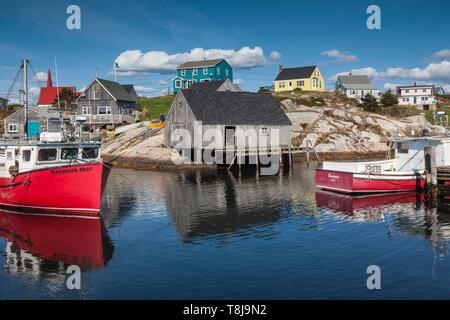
x: 34, y: 156
x: 411, y: 153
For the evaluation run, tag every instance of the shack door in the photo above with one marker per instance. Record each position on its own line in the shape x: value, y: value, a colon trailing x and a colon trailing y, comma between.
x: 34, y: 128
x: 230, y: 137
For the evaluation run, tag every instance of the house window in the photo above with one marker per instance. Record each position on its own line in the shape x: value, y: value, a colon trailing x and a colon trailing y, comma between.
x: 205, y: 70
x: 406, y: 91
x: 13, y: 127
x: 177, y: 83
x: 282, y: 84
x: 26, y: 155
x: 300, y: 83
x: 104, y: 110
x: 264, y: 131
x: 424, y: 90
x: 218, y: 70
x: 226, y: 72
x: 290, y: 83
x: 85, y: 110
x: 183, y: 72
x: 47, y: 155
x: 96, y: 95
x: 195, y: 72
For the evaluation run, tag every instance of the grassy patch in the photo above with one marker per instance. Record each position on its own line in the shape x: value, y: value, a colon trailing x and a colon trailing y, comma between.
x: 429, y: 113
x: 152, y: 108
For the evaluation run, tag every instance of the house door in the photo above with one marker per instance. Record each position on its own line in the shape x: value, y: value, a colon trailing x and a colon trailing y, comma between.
x: 230, y: 137
x: 415, y: 100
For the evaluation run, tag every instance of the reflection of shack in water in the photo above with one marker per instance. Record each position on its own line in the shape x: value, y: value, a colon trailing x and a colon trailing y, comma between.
x: 214, y: 203
x: 403, y: 212
x: 37, y: 243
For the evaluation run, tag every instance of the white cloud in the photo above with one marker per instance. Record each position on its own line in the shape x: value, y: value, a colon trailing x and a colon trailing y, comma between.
x: 433, y: 71
x: 142, y: 89
x: 436, y: 72
x: 135, y: 62
x: 161, y: 82
x: 40, y: 76
x: 340, y: 56
x: 275, y: 56
x: 391, y: 86
x: 368, y: 71
x: 442, y: 54
x: 34, y: 91
x: 238, y: 81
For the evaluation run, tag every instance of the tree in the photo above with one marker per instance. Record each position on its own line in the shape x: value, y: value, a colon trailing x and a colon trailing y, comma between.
x: 370, y: 103
x: 67, y: 99
x: 388, y: 99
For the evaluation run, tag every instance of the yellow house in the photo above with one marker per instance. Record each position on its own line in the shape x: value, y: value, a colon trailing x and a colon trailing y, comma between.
x: 305, y: 78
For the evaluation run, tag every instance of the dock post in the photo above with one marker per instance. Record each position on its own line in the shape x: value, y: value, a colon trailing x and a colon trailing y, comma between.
x: 430, y: 166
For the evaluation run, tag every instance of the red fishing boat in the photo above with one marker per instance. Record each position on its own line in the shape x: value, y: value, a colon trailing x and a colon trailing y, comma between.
x: 405, y: 172
x: 55, y: 172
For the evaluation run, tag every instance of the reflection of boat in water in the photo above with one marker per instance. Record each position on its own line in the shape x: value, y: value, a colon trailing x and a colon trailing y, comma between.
x: 348, y: 203
x: 37, y: 241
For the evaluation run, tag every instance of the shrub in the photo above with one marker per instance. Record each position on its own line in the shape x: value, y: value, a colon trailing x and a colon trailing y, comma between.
x: 370, y: 103
x: 388, y: 99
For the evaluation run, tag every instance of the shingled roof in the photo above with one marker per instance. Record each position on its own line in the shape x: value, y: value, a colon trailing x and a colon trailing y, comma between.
x: 295, y: 73
x: 116, y: 90
x: 235, y: 108
x: 208, y: 85
x: 355, y: 82
x: 200, y: 64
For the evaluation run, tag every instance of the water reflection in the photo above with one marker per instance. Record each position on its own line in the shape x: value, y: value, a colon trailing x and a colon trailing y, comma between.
x: 408, y: 213
x: 223, y: 204
x: 37, y: 244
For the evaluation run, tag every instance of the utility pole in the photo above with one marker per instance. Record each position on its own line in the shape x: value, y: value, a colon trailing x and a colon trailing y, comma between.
x: 25, y: 95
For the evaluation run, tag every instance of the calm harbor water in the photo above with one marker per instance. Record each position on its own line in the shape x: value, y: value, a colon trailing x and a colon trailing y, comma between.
x: 215, y: 235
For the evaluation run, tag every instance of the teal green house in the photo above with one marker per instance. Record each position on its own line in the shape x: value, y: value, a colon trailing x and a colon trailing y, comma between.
x: 199, y: 71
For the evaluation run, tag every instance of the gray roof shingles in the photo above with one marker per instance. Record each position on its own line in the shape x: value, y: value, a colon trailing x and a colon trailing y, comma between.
x: 118, y: 91
x: 355, y: 82
x: 295, y: 73
x: 235, y: 108
x: 199, y: 64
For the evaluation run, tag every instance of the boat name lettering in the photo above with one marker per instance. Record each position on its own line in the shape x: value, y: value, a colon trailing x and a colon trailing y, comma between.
x: 70, y: 170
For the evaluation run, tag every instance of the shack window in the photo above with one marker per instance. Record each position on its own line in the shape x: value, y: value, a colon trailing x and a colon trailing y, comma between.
x: 264, y: 132
x: 47, y: 155
x: 403, y: 147
x: 26, y: 155
x: 13, y: 127
x: 69, y: 153
x: 90, y: 153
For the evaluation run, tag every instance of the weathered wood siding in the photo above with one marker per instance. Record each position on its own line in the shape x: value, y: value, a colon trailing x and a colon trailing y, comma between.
x: 104, y: 99
x: 18, y: 118
x: 180, y: 116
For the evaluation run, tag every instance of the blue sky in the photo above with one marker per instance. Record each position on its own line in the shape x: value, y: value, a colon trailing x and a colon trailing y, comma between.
x: 149, y: 38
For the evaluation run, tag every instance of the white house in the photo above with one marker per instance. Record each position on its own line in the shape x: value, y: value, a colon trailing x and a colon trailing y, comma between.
x: 356, y: 87
x: 418, y: 95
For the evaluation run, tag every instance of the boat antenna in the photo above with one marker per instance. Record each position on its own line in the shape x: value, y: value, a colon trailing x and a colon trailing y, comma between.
x: 25, y: 95
x: 57, y: 83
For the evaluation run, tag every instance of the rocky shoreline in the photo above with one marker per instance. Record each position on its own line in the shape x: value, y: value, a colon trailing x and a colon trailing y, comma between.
x: 335, y: 129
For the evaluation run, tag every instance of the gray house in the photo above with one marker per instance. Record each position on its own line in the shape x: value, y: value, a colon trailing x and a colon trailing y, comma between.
x: 356, y: 87
x: 40, y: 119
x: 219, y: 116
x: 3, y: 103
x: 107, y: 104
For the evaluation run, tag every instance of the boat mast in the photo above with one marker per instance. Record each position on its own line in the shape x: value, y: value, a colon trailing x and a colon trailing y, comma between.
x: 25, y: 95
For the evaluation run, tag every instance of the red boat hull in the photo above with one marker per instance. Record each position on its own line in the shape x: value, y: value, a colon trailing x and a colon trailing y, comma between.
x: 348, y: 182
x: 57, y: 239
x: 72, y: 189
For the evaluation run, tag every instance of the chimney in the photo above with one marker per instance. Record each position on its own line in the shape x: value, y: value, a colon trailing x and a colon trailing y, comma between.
x: 280, y: 68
